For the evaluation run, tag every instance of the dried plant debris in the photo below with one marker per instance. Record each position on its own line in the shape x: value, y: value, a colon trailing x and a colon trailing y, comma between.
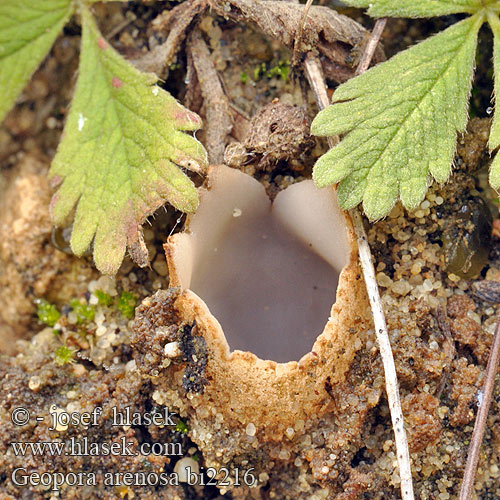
x: 177, y: 21
x: 217, y: 110
x: 487, y: 291
x: 331, y: 34
x: 276, y: 132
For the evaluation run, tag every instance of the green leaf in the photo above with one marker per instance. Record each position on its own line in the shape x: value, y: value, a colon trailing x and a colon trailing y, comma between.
x: 119, y: 154
x: 28, y: 29
x: 401, y: 119
x: 418, y: 8
x: 494, y: 140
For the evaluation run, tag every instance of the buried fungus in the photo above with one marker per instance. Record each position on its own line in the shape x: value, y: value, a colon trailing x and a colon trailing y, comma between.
x: 268, y: 272
x: 256, y: 404
x: 249, y: 271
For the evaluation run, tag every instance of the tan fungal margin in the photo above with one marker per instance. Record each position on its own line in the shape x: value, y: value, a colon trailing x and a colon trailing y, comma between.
x: 244, y: 388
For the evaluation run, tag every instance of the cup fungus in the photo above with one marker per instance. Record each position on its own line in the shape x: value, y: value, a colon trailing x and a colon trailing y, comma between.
x: 260, y: 279
x: 267, y: 271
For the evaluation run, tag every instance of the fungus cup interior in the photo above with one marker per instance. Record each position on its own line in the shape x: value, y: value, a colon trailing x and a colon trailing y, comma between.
x: 268, y: 272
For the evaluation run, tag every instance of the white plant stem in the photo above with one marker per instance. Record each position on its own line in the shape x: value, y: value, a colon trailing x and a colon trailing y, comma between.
x: 391, y: 379
x: 315, y: 77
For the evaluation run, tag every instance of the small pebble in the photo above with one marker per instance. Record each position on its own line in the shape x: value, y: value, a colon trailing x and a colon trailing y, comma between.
x: 100, y: 331
x: 59, y: 426
x: 263, y: 477
x: 172, y: 350
x: 184, y: 466
x: 401, y: 287
x: 384, y: 280
x: 250, y: 429
x: 34, y: 382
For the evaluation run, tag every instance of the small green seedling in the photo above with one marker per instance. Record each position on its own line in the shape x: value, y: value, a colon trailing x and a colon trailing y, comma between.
x: 400, y: 119
x: 104, y: 298
x: 182, y: 427
x: 64, y: 355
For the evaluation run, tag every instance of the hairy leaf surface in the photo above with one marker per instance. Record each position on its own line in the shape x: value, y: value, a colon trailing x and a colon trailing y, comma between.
x: 118, y: 158
x: 418, y: 8
x: 28, y: 29
x: 400, y: 119
x: 494, y: 140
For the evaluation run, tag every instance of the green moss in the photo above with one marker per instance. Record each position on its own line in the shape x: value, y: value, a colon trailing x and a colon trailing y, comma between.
x: 104, y: 298
x: 47, y: 313
x: 83, y: 312
x: 258, y: 71
x: 281, y: 70
x: 243, y: 77
x: 181, y: 426
x: 64, y: 355
x: 126, y: 303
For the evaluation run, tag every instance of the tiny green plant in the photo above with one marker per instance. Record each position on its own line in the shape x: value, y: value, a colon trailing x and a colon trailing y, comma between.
x: 104, y: 299
x: 64, y: 355
x: 400, y: 119
x: 181, y: 426
x: 83, y: 311
x: 47, y: 313
x: 126, y: 303
x: 124, y: 140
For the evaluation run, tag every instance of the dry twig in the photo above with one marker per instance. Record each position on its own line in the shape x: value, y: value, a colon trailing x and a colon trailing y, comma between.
x: 178, y: 20
x: 371, y: 46
x: 218, y: 113
x: 298, y: 40
x: 481, y: 418
x: 313, y: 73
x: 391, y: 379
x: 448, y: 349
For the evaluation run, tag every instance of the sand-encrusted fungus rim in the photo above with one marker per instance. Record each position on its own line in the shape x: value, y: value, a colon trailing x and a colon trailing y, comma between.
x: 238, y: 381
